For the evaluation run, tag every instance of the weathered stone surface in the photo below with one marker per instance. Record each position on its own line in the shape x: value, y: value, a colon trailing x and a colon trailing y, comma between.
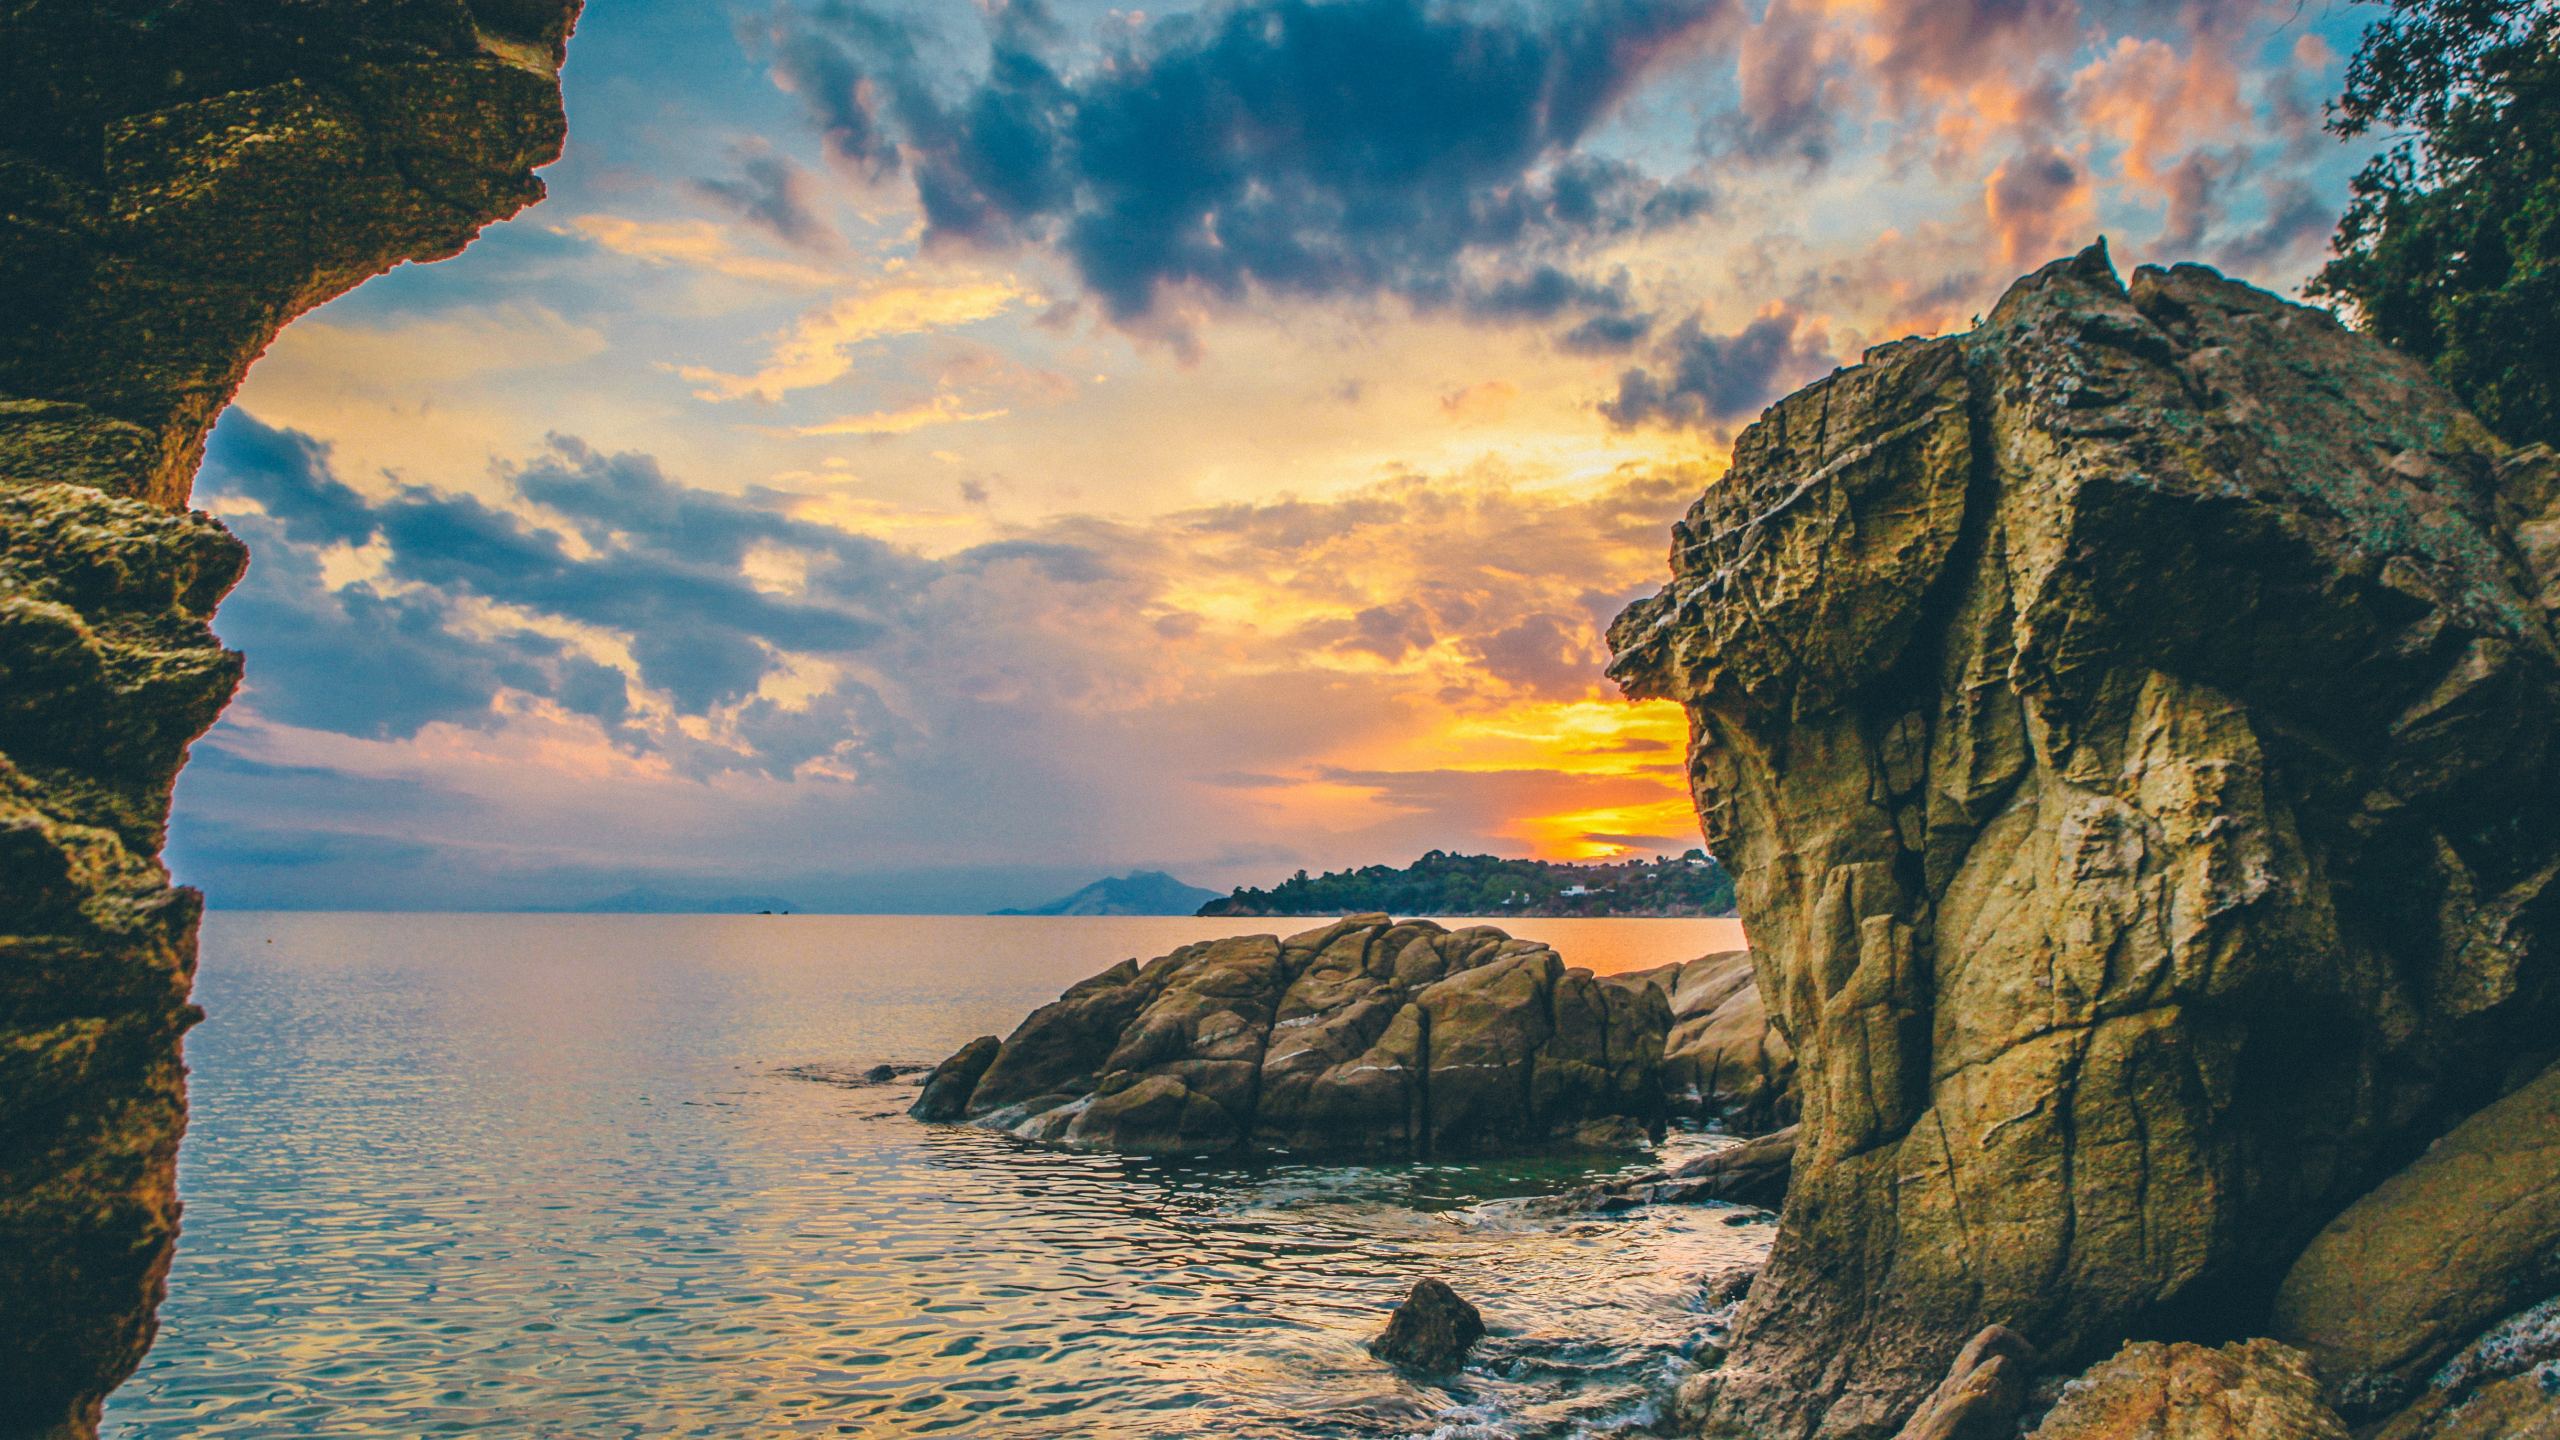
x: 1432, y: 1330
x: 2503, y: 1386
x: 2129, y: 726
x: 1723, y: 1061
x: 948, y: 1088
x: 2468, y: 1233
x: 2255, y: 1390
x: 176, y: 182
x: 1984, y: 1390
x: 1365, y: 1036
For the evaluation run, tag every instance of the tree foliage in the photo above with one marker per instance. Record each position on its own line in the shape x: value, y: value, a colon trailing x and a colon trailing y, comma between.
x: 2450, y: 247
x: 1444, y: 884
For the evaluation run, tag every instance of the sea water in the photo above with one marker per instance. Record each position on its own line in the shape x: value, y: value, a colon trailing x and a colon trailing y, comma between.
x: 596, y: 1176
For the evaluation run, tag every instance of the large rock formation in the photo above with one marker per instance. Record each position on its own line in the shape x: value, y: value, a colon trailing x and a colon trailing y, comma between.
x: 176, y: 182
x: 1367, y: 1036
x: 2130, y: 724
x: 1723, y: 1061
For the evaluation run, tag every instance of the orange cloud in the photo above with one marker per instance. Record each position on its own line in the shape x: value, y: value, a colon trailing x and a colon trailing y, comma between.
x: 695, y: 245
x: 940, y: 410
x: 819, y: 350
x: 2159, y: 103
x: 2041, y: 204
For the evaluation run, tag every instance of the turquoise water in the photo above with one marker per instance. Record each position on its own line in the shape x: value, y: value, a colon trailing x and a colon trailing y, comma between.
x: 566, y: 1176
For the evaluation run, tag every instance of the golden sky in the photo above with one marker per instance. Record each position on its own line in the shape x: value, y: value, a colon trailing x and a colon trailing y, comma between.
x: 930, y: 455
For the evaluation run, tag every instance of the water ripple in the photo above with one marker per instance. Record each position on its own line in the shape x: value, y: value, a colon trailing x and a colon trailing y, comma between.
x: 549, y: 1176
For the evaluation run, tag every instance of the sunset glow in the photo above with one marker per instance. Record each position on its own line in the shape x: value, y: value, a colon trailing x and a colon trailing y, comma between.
x: 868, y: 474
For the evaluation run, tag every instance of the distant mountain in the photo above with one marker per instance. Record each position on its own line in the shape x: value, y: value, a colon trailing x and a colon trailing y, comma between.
x: 659, y: 902
x: 1444, y: 884
x: 1140, y: 892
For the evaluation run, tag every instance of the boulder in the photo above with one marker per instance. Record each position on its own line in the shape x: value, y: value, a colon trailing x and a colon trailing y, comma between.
x: 2254, y: 1390
x: 178, y: 182
x: 1984, y: 1390
x: 2503, y: 1386
x: 948, y: 1088
x: 1367, y: 1036
x: 1431, y: 1331
x: 1723, y: 1062
x: 2468, y: 1233
x: 2128, y: 726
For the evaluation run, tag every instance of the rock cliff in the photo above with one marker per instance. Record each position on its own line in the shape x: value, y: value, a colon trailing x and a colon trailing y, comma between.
x: 177, y: 181
x: 2130, y: 725
x: 1367, y: 1036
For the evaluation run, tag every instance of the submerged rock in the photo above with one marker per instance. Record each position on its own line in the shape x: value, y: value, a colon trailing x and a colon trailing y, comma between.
x: 1431, y: 1331
x: 177, y: 181
x: 2128, y: 724
x: 2254, y: 1390
x: 2468, y: 1233
x: 1753, y: 1173
x: 1367, y: 1036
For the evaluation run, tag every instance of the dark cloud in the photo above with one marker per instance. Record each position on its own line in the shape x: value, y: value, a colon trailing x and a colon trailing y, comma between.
x: 1708, y: 380
x: 658, y: 563
x: 2193, y: 204
x: 1953, y: 41
x: 1390, y: 632
x: 1783, y: 76
x: 1543, y: 654
x: 774, y: 194
x: 1359, y: 147
x: 2296, y: 221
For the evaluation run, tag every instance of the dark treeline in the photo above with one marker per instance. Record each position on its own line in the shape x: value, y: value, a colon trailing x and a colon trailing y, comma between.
x: 1444, y: 884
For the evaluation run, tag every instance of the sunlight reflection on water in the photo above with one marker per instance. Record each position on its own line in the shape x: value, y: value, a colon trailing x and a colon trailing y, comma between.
x: 543, y: 1176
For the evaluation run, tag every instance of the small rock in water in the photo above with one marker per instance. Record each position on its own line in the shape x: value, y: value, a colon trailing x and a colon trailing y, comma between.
x: 1727, y: 1286
x: 881, y: 1074
x: 1432, y: 1330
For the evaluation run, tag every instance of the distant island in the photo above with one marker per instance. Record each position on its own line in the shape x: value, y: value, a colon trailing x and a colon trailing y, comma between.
x: 1140, y: 892
x: 1444, y: 884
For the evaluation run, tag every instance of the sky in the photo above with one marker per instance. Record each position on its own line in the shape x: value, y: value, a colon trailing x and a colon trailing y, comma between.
x: 925, y: 456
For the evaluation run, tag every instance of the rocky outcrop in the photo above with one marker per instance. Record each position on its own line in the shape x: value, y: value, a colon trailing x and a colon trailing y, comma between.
x: 1723, y: 1062
x: 2469, y: 1233
x: 1368, y: 1036
x: 1431, y: 1331
x: 947, y: 1089
x: 2256, y: 1390
x: 2503, y: 1386
x: 176, y: 182
x: 2129, y: 725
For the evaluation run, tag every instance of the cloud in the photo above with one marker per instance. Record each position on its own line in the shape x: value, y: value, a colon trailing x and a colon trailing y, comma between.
x: 940, y: 410
x: 819, y: 349
x: 1713, y: 380
x: 1948, y: 44
x: 694, y: 245
x: 774, y: 194
x: 2041, y: 204
x: 1786, y: 69
x: 2159, y: 102
x: 1353, y: 148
